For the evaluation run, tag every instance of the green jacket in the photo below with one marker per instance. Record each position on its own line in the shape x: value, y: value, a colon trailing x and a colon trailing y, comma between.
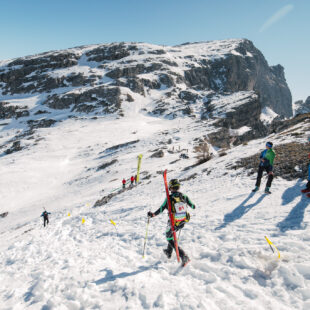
x: 173, y: 195
x: 269, y: 156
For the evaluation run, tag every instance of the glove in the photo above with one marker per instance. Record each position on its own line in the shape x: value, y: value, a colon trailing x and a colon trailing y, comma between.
x: 150, y: 214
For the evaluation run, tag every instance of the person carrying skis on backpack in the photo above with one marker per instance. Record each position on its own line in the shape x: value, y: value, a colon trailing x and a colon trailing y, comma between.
x: 266, y: 163
x: 179, y: 204
x: 45, y: 217
x: 307, y: 189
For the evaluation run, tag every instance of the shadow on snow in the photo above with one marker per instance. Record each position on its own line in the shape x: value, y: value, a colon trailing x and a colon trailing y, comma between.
x: 295, y: 218
x: 239, y: 211
x: 109, y: 277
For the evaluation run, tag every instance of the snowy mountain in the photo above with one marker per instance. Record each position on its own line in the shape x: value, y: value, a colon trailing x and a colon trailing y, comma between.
x: 219, y: 81
x: 67, y: 146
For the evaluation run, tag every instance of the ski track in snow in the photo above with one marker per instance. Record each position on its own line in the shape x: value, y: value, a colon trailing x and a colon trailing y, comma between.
x: 70, y: 265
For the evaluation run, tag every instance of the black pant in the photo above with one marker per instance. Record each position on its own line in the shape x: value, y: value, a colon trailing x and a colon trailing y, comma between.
x: 260, y: 171
x: 46, y: 221
x: 169, y: 236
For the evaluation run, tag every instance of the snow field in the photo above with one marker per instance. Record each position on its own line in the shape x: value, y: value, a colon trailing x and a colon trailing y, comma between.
x: 70, y: 265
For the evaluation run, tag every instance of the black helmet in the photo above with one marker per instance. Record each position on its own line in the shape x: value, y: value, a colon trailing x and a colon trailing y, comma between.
x: 174, y: 184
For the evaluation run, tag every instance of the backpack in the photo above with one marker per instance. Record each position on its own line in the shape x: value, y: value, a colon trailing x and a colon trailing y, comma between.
x: 179, y: 209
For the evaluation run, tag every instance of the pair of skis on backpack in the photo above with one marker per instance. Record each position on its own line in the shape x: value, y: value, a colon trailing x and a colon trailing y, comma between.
x: 306, y: 191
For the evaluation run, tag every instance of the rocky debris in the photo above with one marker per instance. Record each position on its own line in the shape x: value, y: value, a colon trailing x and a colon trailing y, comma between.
x: 104, y: 200
x: 110, y: 52
x: 4, y: 214
x: 158, y: 154
x: 41, y: 112
x: 105, y: 165
x: 184, y: 156
x: 79, y: 79
x: 120, y: 146
x: 192, y: 176
x: 136, y: 85
x: 238, y: 116
x: 41, y: 123
x: 188, y: 96
x: 302, y: 107
x: 291, y: 161
x: 29, y: 74
x: 282, y: 125
x: 220, y: 138
x: 14, y: 148
x: 105, y: 97
x: 130, y: 71
x: 223, y: 138
x: 9, y: 111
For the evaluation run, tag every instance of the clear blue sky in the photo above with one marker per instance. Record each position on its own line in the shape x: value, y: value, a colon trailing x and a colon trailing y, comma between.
x: 279, y: 28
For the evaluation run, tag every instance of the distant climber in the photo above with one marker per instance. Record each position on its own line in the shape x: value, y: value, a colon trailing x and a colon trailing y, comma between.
x: 179, y: 204
x: 135, y: 179
x: 124, y: 183
x: 132, y: 179
x: 45, y: 217
x: 307, y: 189
x: 266, y: 163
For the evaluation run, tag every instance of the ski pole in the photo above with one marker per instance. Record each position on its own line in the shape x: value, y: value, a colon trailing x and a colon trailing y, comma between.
x: 179, y: 235
x: 147, y: 228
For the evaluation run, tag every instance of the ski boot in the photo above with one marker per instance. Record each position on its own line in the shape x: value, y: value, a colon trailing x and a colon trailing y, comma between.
x: 306, y: 190
x: 267, y: 190
x: 185, y: 260
x: 168, y: 254
x: 255, y: 189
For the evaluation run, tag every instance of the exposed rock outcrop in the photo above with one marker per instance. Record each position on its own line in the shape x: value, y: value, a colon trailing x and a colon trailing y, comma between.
x: 302, y: 107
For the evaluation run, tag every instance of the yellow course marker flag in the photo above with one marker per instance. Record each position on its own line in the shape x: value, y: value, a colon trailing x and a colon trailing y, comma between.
x: 272, y: 245
x: 69, y: 214
x: 113, y: 223
x: 83, y: 220
x: 139, y: 166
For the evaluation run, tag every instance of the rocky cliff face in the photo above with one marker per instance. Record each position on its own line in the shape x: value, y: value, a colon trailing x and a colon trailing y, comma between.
x: 222, y: 82
x: 302, y: 107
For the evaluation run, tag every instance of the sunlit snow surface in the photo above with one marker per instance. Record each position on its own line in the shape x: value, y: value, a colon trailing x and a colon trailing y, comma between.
x: 70, y: 265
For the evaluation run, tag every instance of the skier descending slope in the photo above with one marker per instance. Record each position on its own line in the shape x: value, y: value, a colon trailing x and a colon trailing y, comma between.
x: 179, y: 204
x: 45, y: 217
x: 266, y: 163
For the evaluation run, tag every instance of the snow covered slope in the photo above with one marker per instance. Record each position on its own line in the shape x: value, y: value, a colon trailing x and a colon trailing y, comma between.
x: 94, y: 265
x: 72, y: 125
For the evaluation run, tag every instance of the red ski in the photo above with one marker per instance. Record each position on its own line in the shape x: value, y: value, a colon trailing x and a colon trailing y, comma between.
x: 171, y: 217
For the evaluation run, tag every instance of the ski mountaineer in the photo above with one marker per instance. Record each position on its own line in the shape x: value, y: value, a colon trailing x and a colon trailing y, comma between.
x: 307, y: 189
x: 132, y: 180
x: 266, y: 163
x: 124, y: 183
x: 45, y: 217
x: 179, y: 204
